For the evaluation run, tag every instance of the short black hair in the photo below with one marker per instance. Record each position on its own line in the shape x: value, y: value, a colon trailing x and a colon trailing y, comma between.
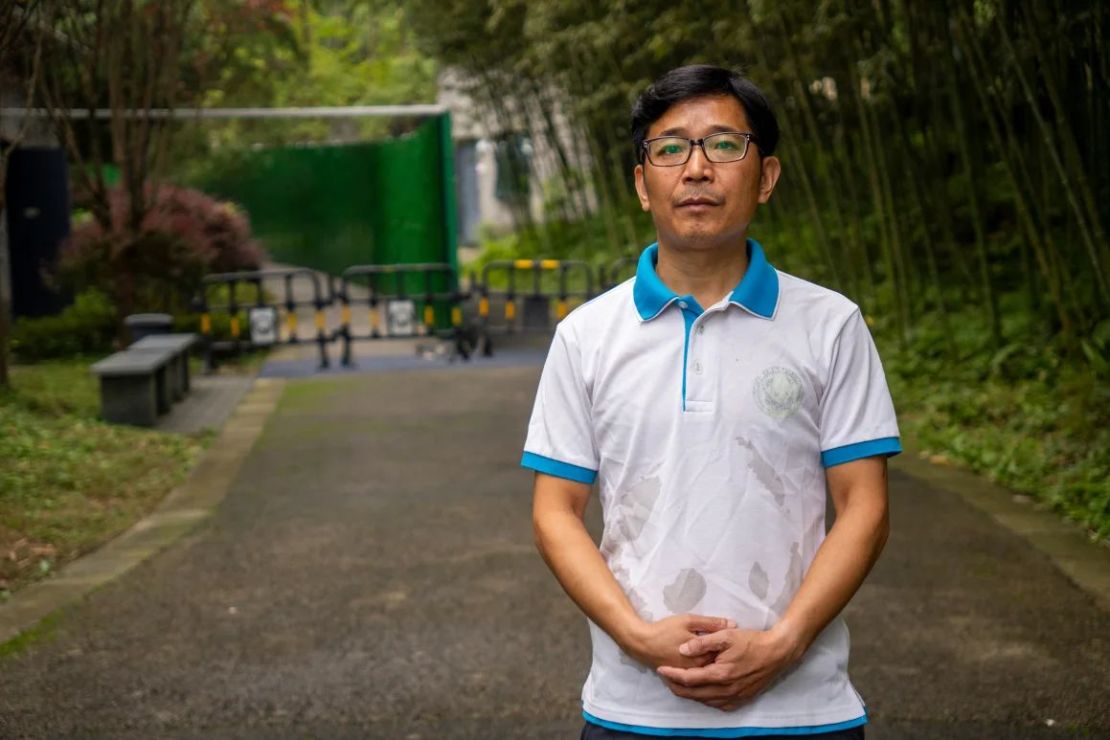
x: 698, y: 81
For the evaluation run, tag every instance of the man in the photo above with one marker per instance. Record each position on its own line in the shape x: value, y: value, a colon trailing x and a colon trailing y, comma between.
x: 715, y: 400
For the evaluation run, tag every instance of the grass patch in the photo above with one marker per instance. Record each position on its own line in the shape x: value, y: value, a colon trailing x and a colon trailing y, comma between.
x: 1024, y: 415
x: 44, y: 630
x: 69, y: 482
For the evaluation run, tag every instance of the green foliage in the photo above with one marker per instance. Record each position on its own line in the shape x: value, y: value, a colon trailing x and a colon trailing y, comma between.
x: 931, y: 153
x: 334, y: 52
x: 158, y: 264
x: 69, y: 482
x: 583, y: 241
x: 86, y: 327
x: 55, y: 389
x: 1096, y: 348
x: 1024, y: 415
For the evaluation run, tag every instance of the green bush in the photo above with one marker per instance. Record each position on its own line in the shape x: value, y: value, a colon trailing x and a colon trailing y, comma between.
x: 86, y: 327
x: 158, y: 266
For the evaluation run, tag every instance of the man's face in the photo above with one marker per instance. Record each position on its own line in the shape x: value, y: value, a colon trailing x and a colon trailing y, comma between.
x: 704, y: 204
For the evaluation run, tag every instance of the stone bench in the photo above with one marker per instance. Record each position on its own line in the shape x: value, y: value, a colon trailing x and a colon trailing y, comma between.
x: 179, y: 345
x: 135, y: 386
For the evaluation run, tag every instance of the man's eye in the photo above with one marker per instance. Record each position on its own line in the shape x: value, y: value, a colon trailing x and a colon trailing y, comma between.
x: 726, y: 145
x: 671, y: 149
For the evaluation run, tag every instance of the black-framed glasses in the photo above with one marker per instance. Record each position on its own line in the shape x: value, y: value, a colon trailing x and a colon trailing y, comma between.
x: 672, y: 151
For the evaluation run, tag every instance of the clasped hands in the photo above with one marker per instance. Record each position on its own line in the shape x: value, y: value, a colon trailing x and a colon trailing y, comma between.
x: 710, y: 660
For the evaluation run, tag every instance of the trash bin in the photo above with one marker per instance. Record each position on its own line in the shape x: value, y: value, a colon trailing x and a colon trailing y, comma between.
x: 141, y: 325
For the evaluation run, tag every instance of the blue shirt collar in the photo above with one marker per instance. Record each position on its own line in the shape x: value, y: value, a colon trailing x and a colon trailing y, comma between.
x: 757, y: 293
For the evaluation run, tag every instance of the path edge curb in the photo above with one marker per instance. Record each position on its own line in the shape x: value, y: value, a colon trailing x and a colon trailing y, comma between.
x: 1066, y: 544
x: 179, y: 513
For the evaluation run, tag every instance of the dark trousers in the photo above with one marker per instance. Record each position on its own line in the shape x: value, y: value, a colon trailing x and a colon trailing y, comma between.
x: 596, y: 732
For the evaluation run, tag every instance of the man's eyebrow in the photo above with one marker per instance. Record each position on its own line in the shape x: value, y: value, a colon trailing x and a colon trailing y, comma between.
x: 716, y: 128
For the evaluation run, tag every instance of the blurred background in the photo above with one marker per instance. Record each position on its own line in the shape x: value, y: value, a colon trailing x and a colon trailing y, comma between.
x: 371, y: 572
x: 946, y: 166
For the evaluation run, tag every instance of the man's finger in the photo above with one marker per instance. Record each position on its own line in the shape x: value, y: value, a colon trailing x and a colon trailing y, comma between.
x: 675, y: 675
x: 710, y: 674
x: 712, y: 643
x: 698, y: 623
x: 716, y: 703
x: 704, y: 694
x: 703, y: 660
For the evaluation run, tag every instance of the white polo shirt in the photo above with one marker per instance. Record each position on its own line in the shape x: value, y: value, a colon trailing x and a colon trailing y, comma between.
x: 708, y: 432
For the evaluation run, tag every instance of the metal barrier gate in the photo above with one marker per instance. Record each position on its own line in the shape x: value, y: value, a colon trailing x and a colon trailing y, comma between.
x: 402, y: 301
x: 535, y: 315
x: 444, y: 322
x: 264, y: 332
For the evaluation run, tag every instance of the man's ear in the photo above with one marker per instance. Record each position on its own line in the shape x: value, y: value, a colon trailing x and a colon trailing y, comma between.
x: 641, y: 188
x: 768, y: 175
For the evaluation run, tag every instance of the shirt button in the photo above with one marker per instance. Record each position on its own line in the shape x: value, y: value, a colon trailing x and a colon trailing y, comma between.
x: 697, y: 368
x: 682, y: 305
x: 701, y: 329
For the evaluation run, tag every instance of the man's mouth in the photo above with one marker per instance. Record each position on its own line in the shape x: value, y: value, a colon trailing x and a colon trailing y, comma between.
x: 698, y: 203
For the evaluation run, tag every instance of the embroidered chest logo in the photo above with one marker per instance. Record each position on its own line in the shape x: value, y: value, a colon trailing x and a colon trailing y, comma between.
x: 778, y: 392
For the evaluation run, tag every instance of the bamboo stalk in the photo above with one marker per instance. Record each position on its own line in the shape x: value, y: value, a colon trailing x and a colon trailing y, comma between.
x: 879, y: 204
x: 1081, y: 216
x: 1029, y: 227
x: 960, y: 117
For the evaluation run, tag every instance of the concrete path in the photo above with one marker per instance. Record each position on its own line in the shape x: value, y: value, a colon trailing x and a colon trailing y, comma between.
x: 371, y: 574
x: 211, y: 400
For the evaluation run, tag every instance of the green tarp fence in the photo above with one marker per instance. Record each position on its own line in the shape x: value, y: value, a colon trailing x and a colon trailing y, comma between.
x: 332, y: 206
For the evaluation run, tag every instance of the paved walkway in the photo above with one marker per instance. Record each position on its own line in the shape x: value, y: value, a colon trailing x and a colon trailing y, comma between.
x: 209, y: 404
x: 371, y: 574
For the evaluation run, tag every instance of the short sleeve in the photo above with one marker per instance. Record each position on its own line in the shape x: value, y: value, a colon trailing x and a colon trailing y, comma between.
x: 857, y: 413
x: 560, y: 433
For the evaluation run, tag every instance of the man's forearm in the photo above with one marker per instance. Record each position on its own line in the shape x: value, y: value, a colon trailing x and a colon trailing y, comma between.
x: 842, y: 562
x: 573, y: 557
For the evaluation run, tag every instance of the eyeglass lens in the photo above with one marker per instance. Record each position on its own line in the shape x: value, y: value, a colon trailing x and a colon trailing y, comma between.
x: 668, y: 151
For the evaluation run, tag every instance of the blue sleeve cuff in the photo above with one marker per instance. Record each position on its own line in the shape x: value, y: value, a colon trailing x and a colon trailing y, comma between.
x: 557, y: 468
x: 887, y: 446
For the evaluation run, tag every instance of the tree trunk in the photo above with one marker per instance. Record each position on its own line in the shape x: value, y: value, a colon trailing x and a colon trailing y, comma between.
x: 5, y: 286
x: 13, y: 31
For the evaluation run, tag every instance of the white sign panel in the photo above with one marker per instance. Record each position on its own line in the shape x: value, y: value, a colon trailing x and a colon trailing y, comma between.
x: 263, y: 321
x: 401, y: 318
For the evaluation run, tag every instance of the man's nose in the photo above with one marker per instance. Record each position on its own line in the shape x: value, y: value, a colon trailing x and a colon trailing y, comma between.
x: 698, y: 167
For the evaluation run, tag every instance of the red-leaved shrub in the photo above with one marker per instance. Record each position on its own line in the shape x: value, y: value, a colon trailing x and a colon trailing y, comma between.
x: 183, y: 236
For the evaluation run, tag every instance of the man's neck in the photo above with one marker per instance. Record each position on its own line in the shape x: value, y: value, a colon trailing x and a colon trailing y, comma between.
x: 707, y: 274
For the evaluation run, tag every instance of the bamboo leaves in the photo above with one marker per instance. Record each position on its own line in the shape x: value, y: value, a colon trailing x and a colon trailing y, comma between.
x: 935, y: 155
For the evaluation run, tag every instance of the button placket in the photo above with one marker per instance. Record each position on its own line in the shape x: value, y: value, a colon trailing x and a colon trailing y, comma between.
x: 696, y: 390
x: 701, y: 384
